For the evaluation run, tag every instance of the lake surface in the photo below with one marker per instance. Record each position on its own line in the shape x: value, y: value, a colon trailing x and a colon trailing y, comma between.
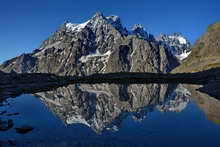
x: 114, y: 115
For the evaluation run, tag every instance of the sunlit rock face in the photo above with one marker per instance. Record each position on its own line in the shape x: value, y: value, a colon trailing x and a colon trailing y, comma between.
x: 98, y: 45
x: 104, y: 106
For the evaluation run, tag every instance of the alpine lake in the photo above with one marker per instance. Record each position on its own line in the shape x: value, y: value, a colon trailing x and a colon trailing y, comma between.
x: 112, y: 115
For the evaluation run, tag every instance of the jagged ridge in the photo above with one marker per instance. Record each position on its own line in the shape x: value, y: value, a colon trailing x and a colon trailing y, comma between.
x: 99, y: 45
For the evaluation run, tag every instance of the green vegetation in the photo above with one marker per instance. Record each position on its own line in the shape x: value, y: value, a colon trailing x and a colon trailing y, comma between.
x: 213, y: 27
x: 205, y: 54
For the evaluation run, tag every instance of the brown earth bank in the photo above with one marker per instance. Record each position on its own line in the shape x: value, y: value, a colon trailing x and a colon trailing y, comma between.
x: 205, y: 53
x: 208, y: 103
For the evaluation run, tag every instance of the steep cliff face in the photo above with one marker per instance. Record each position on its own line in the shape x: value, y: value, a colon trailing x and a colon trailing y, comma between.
x: 205, y: 53
x: 104, y: 106
x: 98, y: 45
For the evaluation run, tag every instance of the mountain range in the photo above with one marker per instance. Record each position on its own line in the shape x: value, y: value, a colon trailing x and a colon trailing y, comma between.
x: 102, y: 45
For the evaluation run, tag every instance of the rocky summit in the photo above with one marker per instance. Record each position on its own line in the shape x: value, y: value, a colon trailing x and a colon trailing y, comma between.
x: 101, y: 45
x: 176, y: 44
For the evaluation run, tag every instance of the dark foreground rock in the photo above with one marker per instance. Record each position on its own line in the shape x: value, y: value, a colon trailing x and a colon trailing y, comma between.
x: 132, y: 78
x: 24, y: 129
x: 12, y: 85
x: 212, y: 88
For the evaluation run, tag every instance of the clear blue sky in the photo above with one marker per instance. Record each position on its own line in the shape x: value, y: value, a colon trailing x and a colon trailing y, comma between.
x: 24, y: 24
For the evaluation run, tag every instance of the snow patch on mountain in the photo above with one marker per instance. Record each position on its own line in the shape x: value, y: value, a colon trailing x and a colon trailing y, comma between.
x: 77, y: 119
x: 183, y: 55
x: 84, y: 59
x: 114, y: 20
x: 181, y: 39
x: 176, y: 44
x: 76, y: 27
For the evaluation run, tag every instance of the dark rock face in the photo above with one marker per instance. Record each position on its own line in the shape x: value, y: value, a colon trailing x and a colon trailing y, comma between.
x: 24, y: 129
x: 99, y: 45
x: 104, y: 106
x: 212, y: 89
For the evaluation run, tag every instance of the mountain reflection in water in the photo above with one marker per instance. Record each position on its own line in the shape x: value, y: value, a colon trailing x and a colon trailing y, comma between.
x: 104, y: 106
x: 113, y: 115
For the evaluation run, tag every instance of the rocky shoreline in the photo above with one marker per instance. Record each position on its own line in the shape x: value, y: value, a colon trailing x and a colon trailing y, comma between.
x: 12, y: 84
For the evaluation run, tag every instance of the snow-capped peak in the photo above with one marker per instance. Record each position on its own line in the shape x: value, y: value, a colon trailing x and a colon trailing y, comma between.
x: 116, y: 22
x: 98, y: 20
x: 75, y: 27
x: 140, y: 31
x: 176, y: 44
x: 138, y: 27
x: 114, y: 18
x: 181, y: 39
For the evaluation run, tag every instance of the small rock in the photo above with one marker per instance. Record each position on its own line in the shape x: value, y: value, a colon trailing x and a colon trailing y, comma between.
x: 24, y: 129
